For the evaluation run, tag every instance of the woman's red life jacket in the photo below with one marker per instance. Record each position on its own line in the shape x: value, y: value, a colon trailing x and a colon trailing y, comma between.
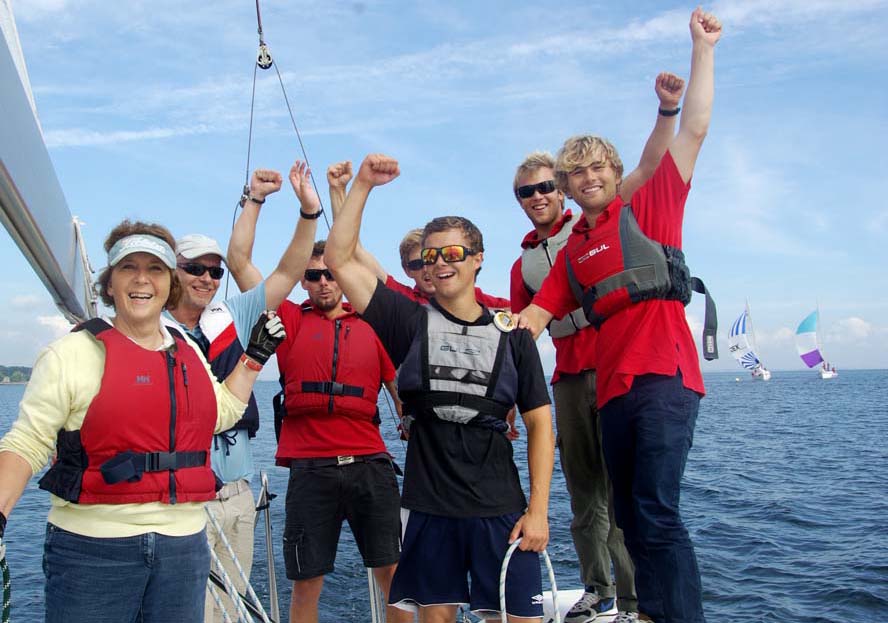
x: 146, y: 434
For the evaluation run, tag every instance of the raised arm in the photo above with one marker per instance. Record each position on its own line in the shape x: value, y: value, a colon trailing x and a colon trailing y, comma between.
x: 356, y: 280
x: 705, y: 33
x: 669, y: 89
x: 264, y: 182
x: 292, y: 264
x: 338, y: 177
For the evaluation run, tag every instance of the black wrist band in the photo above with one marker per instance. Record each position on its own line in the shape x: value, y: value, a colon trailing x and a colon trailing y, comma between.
x: 670, y: 113
x: 255, y: 200
x: 311, y: 216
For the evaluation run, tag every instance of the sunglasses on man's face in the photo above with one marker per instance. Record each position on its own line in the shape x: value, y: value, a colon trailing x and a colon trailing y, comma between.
x: 450, y: 254
x: 314, y: 274
x: 416, y: 264
x: 544, y: 188
x: 197, y: 269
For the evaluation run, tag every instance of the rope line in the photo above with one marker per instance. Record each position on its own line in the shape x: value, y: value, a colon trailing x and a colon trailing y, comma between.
x: 7, y: 583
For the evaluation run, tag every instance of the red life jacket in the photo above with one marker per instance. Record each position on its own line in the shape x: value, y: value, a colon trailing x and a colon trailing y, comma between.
x: 146, y: 434
x: 334, y: 368
x: 615, y: 265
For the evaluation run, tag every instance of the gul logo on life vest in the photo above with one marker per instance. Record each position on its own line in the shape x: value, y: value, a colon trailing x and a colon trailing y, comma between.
x: 468, y: 350
x: 592, y: 252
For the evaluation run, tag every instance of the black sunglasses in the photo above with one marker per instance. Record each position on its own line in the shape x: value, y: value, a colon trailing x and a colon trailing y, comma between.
x: 315, y: 274
x: 526, y: 192
x: 416, y: 264
x: 197, y: 269
x: 450, y: 254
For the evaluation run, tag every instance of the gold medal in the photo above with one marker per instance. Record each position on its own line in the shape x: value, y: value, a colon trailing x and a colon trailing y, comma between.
x: 503, y: 321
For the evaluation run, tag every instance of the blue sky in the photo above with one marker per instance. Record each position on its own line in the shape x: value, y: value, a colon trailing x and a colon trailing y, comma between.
x: 145, y: 106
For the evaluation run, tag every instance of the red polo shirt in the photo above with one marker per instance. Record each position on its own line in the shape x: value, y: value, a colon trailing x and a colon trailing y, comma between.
x: 573, y: 353
x: 651, y: 337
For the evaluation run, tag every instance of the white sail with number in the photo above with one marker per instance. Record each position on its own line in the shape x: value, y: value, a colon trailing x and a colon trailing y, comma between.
x: 741, y: 343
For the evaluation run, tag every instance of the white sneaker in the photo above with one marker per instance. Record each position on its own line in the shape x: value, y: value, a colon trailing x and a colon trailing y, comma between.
x: 626, y: 617
x: 590, y: 606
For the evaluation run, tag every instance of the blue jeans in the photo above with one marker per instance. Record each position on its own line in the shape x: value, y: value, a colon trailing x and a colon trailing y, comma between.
x: 646, y: 435
x: 149, y: 578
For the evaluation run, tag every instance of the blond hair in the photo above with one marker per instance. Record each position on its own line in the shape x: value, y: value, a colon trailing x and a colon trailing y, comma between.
x: 533, y: 161
x: 411, y: 241
x: 583, y: 151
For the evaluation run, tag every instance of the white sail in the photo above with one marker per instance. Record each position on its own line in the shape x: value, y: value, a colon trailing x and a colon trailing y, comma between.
x: 741, y: 343
x: 32, y: 205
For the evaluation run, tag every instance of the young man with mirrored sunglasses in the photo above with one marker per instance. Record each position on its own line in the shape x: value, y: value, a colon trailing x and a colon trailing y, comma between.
x: 460, y: 371
x: 338, y: 177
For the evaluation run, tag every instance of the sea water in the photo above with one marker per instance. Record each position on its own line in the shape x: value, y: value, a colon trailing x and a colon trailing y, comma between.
x: 785, y: 496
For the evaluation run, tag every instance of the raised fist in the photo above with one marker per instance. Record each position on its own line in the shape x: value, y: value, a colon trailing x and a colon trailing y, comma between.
x: 669, y: 88
x: 265, y: 182
x: 378, y: 169
x: 300, y: 179
x: 705, y: 27
x: 339, y: 174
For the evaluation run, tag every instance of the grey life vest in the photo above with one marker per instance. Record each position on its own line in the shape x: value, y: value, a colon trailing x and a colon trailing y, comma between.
x: 615, y: 265
x: 459, y: 373
x: 536, y: 262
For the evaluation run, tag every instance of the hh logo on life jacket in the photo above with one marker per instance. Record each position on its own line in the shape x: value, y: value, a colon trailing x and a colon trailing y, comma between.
x: 592, y: 252
x: 143, y: 379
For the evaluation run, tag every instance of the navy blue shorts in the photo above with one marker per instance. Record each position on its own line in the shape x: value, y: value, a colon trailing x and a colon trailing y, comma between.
x: 453, y: 561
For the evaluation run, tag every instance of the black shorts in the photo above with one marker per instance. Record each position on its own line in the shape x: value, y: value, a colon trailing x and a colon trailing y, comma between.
x: 319, y: 498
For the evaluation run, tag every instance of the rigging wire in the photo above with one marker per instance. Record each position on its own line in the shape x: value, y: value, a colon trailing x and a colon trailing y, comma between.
x: 264, y: 60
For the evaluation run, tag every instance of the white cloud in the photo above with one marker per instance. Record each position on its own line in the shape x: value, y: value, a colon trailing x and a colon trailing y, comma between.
x: 850, y: 329
x: 26, y: 301
x: 76, y: 137
x: 57, y: 325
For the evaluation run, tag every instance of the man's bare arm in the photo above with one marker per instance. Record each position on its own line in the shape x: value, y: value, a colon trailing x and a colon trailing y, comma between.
x: 292, y: 264
x: 533, y: 527
x: 669, y: 88
x: 338, y: 177
x: 534, y: 318
x: 357, y: 282
x: 263, y: 183
x: 694, y: 124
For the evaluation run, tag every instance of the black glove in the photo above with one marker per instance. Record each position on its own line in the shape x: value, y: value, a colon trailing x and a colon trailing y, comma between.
x: 2, y: 524
x: 266, y: 336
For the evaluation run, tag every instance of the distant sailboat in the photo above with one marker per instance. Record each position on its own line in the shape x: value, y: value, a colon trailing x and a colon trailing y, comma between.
x: 809, y: 345
x: 741, y: 343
